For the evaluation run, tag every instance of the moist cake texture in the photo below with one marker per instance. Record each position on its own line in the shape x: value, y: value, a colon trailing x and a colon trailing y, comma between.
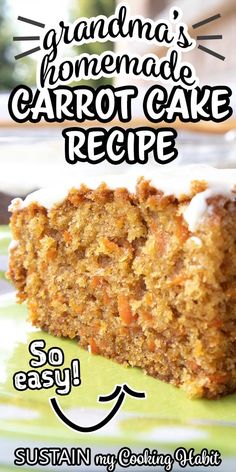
x: 139, y: 270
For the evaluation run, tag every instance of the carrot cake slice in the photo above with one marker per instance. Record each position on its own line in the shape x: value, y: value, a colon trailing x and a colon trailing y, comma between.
x: 140, y: 269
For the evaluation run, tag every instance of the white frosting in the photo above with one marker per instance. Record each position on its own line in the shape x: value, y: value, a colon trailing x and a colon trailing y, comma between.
x: 171, y: 181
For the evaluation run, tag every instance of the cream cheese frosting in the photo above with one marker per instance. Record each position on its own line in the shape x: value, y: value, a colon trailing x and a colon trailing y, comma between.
x: 171, y: 181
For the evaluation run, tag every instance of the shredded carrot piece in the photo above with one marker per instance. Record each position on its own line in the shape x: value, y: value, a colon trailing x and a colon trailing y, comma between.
x: 75, y: 198
x: 51, y: 254
x: 78, y: 308
x: 146, y: 315
x: 192, y: 365
x: 21, y: 297
x: 125, y: 310
x: 96, y: 327
x: 123, y: 330
x: 59, y: 297
x: 182, y: 231
x: 151, y: 345
x: 110, y: 246
x: 160, y: 237
x: 120, y: 222
x: 43, y: 266
x: 93, y: 346
x: 67, y: 236
x: 177, y: 280
x: 106, y: 298
x: 219, y: 378
x: 148, y: 298
x: 216, y: 323
x: 96, y: 281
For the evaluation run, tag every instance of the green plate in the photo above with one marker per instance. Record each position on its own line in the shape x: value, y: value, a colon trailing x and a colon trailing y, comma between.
x: 165, y: 420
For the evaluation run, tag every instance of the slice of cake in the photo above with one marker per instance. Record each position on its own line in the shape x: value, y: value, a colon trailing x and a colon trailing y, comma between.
x: 140, y: 270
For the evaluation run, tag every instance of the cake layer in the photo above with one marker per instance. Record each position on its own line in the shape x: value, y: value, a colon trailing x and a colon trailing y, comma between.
x: 132, y: 275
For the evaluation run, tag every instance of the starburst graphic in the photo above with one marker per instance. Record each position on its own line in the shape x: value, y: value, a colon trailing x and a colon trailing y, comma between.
x: 28, y: 38
x: 209, y: 36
